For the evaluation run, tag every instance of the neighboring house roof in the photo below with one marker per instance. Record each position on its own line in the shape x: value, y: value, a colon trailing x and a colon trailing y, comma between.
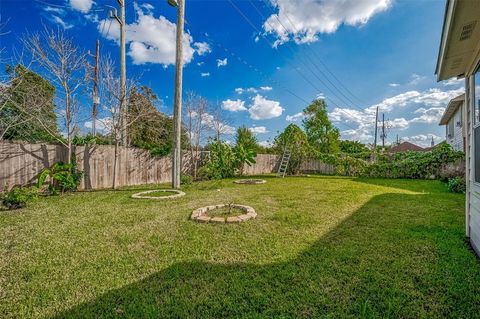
x: 452, y: 107
x: 405, y: 147
x: 460, y: 37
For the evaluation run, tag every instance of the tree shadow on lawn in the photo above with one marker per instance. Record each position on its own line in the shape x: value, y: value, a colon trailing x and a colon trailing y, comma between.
x: 395, y: 262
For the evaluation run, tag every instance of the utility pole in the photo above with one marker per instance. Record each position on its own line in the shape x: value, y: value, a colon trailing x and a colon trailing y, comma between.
x: 383, y: 130
x: 96, y: 99
x: 123, y: 73
x: 177, y: 106
x: 376, y: 129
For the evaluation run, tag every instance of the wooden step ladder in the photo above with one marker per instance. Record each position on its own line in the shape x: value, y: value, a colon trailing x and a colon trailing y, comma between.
x: 282, y: 169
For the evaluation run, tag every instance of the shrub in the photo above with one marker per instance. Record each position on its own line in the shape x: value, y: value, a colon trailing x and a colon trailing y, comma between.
x: 186, y: 179
x: 62, y: 177
x: 222, y: 161
x: 457, y: 185
x: 18, y: 196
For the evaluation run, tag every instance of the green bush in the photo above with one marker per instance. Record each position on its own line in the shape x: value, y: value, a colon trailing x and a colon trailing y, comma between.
x: 62, y: 177
x: 18, y: 196
x: 186, y: 179
x: 414, y: 165
x: 457, y: 185
x: 222, y: 161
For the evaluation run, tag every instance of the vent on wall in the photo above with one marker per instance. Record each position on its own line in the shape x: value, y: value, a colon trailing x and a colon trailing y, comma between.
x: 467, y: 30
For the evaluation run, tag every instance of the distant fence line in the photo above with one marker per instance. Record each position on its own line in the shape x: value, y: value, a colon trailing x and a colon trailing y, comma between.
x: 21, y: 163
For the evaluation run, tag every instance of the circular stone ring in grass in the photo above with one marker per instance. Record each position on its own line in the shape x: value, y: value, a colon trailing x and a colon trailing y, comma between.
x: 169, y: 193
x: 250, y: 181
x: 201, y: 214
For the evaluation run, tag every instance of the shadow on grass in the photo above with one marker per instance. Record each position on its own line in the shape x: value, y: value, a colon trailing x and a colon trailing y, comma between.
x: 379, y: 262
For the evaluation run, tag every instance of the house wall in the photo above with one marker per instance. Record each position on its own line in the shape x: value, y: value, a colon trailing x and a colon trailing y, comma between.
x: 454, y: 130
x: 473, y: 187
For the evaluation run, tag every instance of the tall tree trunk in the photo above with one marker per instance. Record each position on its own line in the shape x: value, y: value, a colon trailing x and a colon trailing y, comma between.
x: 115, y: 161
x: 69, y: 120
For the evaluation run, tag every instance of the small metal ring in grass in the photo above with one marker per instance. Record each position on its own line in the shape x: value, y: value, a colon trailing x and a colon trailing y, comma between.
x: 250, y: 181
x: 144, y: 195
x: 201, y: 214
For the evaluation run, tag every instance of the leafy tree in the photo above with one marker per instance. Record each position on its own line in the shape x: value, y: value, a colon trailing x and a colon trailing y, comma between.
x: 296, y: 141
x: 27, y: 111
x: 322, y: 135
x: 353, y: 147
x: 246, y: 138
x: 149, y: 129
x: 245, y: 148
x: 222, y: 161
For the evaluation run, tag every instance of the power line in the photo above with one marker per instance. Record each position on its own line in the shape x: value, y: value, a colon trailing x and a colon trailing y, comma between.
x: 318, y: 57
x: 311, y: 61
x: 269, y: 78
x: 270, y: 43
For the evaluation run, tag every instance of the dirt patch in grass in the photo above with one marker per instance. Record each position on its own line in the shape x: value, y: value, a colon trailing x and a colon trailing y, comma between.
x: 225, y: 212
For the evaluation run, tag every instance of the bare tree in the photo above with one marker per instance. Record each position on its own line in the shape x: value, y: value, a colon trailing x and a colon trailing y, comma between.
x: 110, y: 101
x: 195, y: 126
x: 65, y: 65
x: 219, y: 123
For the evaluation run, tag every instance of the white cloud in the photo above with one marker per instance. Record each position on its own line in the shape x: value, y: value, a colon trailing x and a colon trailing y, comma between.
x: 360, y: 134
x: 148, y: 6
x: 398, y: 123
x: 415, y: 79
x: 262, y: 109
x: 234, y: 106
x: 432, y: 102
x: 202, y: 48
x: 258, y: 130
x: 423, y: 139
x: 320, y: 96
x: 210, y: 121
x: 204, y: 74
x: 295, y: 117
x: 62, y: 23
x: 152, y: 40
x: 222, y: 62
x: 56, y: 10
x: 253, y: 90
x: 103, y: 125
x: 307, y: 18
x: 431, y: 115
x: 81, y: 5
x: 265, y: 143
x: 393, y: 85
x: 453, y: 82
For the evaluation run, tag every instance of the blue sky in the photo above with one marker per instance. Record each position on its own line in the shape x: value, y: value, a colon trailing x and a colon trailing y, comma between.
x: 262, y: 61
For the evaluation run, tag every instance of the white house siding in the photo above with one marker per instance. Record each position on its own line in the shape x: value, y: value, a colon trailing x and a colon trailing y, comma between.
x: 473, y: 191
x: 454, y: 131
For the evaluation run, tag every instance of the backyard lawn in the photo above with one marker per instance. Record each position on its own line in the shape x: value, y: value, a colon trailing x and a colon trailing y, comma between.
x: 319, y: 247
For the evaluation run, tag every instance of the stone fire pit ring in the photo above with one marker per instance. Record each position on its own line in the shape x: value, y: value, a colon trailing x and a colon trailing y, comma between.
x: 144, y: 195
x: 201, y: 214
x: 250, y: 181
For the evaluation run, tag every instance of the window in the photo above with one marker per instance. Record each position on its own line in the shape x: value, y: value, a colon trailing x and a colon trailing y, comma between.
x: 450, y: 129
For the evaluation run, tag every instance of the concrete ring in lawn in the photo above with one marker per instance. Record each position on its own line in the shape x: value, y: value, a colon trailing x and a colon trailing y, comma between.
x: 144, y: 194
x: 201, y: 214
x: 250, y: 181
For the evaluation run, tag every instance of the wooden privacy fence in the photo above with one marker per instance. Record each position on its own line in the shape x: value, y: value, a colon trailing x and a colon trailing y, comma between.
x: 20, y: 164
x: 316, y: 166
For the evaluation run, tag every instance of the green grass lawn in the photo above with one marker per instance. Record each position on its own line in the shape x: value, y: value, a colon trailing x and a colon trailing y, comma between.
x: 320, y: 247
